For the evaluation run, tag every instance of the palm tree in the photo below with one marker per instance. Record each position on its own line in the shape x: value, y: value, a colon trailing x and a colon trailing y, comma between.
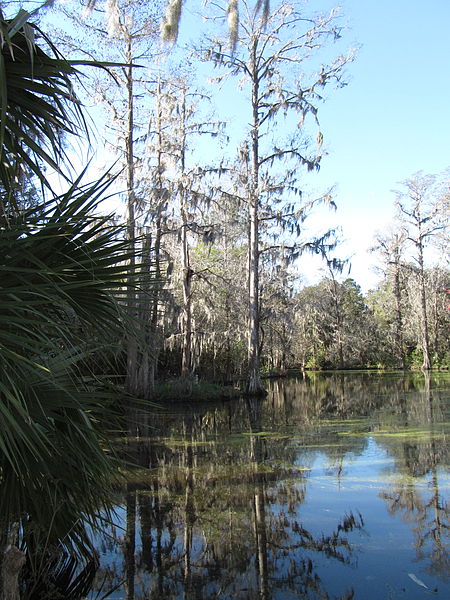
x: 38, y: 104
x: 62, y: 274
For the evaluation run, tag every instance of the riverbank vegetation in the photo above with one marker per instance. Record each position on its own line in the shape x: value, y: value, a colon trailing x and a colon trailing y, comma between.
x: 222, y: 241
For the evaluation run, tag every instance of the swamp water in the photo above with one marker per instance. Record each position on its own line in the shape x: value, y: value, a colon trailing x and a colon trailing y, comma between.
x: 334, y: 486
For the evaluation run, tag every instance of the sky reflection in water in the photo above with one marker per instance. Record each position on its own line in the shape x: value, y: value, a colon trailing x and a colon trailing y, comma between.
x: 335, y: 486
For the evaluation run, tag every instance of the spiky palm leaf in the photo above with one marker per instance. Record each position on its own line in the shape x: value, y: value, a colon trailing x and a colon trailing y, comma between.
x: 62, y: 278
x: 37, y: 102
x: 38, y: 105
x: 62, y: 275
x: 61, y: 578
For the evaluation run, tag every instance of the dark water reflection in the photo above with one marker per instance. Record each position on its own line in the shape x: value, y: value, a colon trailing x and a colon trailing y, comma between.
x: 334, y: 486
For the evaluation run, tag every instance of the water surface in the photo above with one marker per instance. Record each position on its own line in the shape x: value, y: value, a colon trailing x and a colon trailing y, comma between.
x: 334, y: 486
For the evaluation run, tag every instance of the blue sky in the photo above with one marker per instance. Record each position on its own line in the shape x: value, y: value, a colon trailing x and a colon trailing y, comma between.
x: 392, y: 120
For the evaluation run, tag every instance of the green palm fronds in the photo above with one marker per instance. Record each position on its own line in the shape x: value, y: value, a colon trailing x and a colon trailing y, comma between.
x: 64, y: 280
x: 62, y: 274
x: 38, y: 104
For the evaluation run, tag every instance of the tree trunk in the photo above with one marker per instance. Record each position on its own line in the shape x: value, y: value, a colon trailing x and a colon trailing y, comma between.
x: 337, y: 304
x: 158, y: 236
x: 398, y: 315
x: 426, y: 365
x: 254, y: 382
x: 131, y: 380
x: 186, y: 320
x: 186, y: 360
x: 154, y: 329
x: 11, y: 564
x: 144, y: 376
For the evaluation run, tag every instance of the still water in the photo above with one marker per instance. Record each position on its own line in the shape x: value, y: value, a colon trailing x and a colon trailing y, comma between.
x: 334, y: 486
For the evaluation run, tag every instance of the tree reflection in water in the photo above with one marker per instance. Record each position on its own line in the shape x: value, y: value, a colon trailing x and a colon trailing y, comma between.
x: 220, y: 502
x: 287, y: 541
x: 425, y: 510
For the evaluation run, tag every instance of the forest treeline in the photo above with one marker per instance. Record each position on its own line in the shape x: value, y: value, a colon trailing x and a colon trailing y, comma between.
x: 219, y: 219
x: 215, y: 224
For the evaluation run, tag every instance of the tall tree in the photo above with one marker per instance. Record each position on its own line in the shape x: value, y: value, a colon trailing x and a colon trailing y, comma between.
x: 334, y: 327
x: 391, y: 248
x: 336, y: 293
x: 154, y: 193
x: 174, y: 186
x: 422, y: 209
x: 126, y: 34
x: 270, y: 58
x: 219, y: 313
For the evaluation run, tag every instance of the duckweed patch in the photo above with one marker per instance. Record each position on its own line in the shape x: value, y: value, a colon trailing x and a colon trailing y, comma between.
x: 406, y: 434
x: 183, y: 443
x: 272, y: 435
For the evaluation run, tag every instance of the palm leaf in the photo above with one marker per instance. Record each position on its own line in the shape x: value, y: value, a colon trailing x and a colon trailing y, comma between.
x: 38, y: 104
x: 61, y: 575
x: 62, y: 270
x: 63, y: 282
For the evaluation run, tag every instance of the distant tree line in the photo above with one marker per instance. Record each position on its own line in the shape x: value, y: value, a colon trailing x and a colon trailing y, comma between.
x: 402, y: 323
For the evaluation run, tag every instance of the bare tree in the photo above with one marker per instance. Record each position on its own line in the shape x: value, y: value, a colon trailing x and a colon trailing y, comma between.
x: 177, y: 186
x: 423, y: 212
x: 270, y: 57
x: 391, y: 248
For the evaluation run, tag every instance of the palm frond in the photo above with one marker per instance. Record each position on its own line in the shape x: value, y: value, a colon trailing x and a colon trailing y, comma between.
x: 63, y: 279
x: 62, y: 270
x: 38, y: 104
x: 37, y: 101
